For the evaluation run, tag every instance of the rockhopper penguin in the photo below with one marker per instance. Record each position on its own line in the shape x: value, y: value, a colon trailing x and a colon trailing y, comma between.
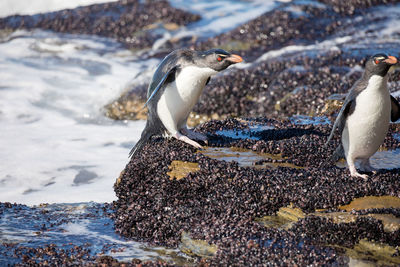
x: 364, y: 118
x: 174, y: 90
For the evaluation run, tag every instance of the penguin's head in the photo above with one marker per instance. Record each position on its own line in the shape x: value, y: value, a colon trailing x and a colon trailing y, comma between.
x: 218, y: 59
x: 380, y: 64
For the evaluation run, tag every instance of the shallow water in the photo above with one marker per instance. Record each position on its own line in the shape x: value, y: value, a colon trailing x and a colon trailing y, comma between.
x: 381, y: 160
x: 386, y: 159
x: 69, y: 225
x: 304, y: 120
x: 245, y: 133
x: 246, y: 157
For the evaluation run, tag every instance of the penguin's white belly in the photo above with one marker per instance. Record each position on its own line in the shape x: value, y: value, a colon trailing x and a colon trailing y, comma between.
x: 366, y: 128
x: 180, y: 96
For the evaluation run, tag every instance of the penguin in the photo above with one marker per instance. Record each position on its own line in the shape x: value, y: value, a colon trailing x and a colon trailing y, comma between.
x: 363, y: 120
x: 175, y: 88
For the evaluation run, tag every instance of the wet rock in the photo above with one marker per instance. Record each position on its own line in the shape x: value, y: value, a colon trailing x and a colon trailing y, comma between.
x: 354, y: 6
x: 372, y: 202
x: 374, y: 253
x: 247, y: 157
x: 284, y: 219
x: 132, y: 109
x: 69, y: 235
x: 287, y: 216
x: 179, y: 169
x: 324, y: 231
x: 220, y: 202
x: 390, y: 222
x: 198, y: 248
x: 276, y: 29
x: 136, y: 24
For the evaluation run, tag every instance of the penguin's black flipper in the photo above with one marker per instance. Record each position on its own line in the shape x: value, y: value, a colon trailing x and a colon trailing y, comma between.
x: 345, y: 111
x: 348, y: 107
x: 395, y: 113
x: 168, y: 77
x: 208, y: 80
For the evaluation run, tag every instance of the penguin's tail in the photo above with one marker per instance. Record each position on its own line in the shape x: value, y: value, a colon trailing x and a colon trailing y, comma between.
x: 146, y: 135
x: 338, y: 154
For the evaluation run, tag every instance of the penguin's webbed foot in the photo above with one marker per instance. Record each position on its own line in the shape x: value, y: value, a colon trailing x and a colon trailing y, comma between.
x: 187, y: 140
x: 354, y: 173
x: 193, y: 135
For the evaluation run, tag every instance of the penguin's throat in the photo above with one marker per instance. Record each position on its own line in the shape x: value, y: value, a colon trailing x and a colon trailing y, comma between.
x: 191, y: 81
x: 377, y: 83
x: 373, y: 103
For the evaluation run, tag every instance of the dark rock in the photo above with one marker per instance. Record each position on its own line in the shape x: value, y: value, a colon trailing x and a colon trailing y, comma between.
x: 276, y: 29
x: 352, y: 7
x: 131, y: 22
x: 220, y: 202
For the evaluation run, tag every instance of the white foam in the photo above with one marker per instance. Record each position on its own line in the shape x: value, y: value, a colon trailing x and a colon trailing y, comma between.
x: 53, y: 89
x: 24, y: 7
x: 219, y: 16
x: 331, y: 44
x: 128, y: 249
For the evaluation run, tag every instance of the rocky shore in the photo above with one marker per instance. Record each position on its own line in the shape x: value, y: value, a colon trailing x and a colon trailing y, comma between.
x: 264, y: 190
x: 136, y: 24
x: 236, y: 208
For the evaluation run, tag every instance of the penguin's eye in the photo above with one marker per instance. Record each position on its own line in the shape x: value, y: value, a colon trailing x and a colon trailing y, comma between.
x: 378, y: 60
x: 221, y: 57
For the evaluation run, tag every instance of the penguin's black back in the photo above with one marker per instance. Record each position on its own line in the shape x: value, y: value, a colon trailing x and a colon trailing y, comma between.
x: 175, y: 58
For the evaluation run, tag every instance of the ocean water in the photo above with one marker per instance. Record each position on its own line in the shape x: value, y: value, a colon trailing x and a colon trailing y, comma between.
x: 69, y: 225
x: 57, y: 146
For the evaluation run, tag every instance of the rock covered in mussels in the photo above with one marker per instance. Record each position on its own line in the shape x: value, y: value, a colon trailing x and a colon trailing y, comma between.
x: 220, y: 201
x: 353, y: 7
x: 132, y: 22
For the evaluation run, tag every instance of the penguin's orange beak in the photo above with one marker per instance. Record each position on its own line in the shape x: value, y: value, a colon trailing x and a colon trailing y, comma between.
x: 234, y: 58
x: 391, y: 60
